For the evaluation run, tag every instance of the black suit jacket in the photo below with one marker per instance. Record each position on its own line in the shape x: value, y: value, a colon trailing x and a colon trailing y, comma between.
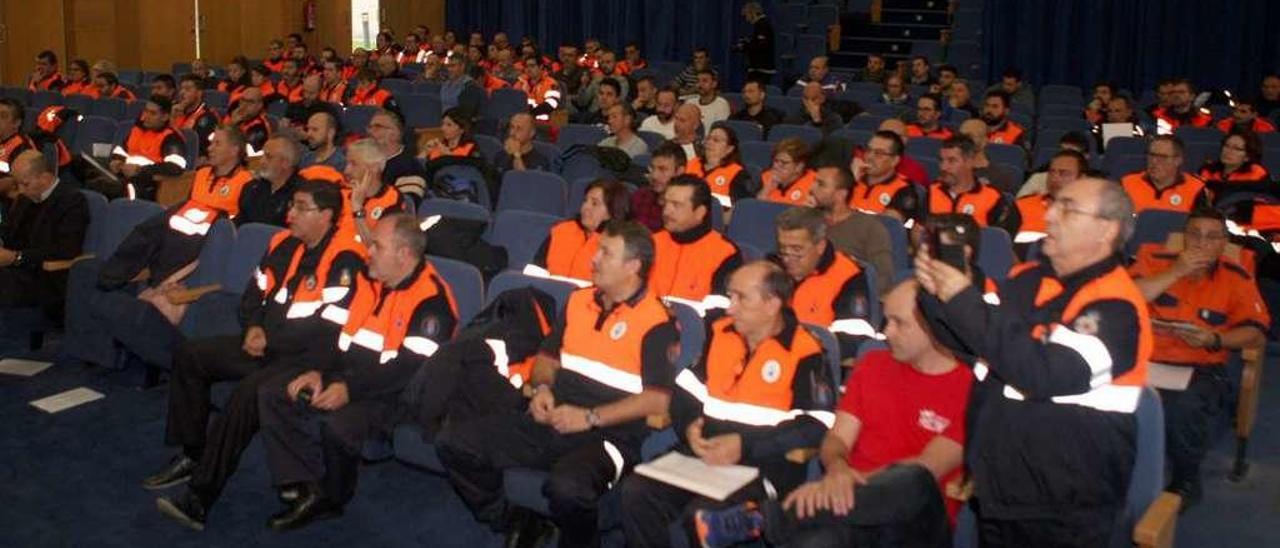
x: 50, y: 230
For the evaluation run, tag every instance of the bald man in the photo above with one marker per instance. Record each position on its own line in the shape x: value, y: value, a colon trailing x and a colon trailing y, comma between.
x: 1003, y: 177
x: 46, y: 222
x: 688, y: 127
x: 814, y: 111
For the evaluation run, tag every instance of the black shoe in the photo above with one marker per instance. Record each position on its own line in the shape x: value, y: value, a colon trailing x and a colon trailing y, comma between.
x: 310, y: 506
x: 288, y: 494
x: 189, y: 510
x: 177, y: 471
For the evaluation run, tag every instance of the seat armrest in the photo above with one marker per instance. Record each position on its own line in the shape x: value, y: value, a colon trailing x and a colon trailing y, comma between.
x: 188, y: 295
x: 66, y: 264
x: 1156, y: 527
x: 659, y: 421
x: 801, y: 455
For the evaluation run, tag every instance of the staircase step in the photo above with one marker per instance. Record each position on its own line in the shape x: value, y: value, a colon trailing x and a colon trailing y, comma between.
x: 915, y: 17
x: 858, y: 59
x: 878, y: 45
x: 924, y: 5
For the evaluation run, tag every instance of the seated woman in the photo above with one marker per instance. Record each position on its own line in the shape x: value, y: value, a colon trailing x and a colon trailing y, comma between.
x: 568, y: 250
x: 1238, y: 168
x: 790, y: 178
x: 455, y: 138
x: 721, y: 167
x: 78, y: 81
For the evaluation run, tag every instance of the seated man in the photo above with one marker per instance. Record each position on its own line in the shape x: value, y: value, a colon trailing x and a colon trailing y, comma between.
x: 668, y: 160
x: 754, y: 108
x: 250, y: 118
x: 814, y: 112
x: 830, y: 290
x: 305, y: 284
x: 1163, y: 185
x: 47, y: 222
x: 898, y: 437
x: 853, y: 232
x: 12, y: 142
x: 369, y: 196
x: 401, y: 170
x: 266, y: 198
x: 880, y: 187
x: 321, y: 139
x: 518, y: 152
x: 1203, y: 305
x: 928, y: 119
x: 150, y: 148
x: 1000, y: 129
x: 662, y: 121
x: 401, y: 314
x: 1066, y: 166
x: 711, y: 106
x: 621, y: 122
x: 760, y: 390
x: 605, y: 367
x: 191, y: 112
x: 957, y: 190
x: 692, y: 260
x: 367, y: 92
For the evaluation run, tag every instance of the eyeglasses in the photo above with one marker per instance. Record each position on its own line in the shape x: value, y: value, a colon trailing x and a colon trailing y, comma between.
x: 880, y: 153
x: 1236, y: 148
x: 1068, y: 206
x: 295, y: 206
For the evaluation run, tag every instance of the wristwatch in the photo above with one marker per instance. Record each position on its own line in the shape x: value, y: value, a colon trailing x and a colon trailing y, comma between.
x: 358, y: 213
x: 593, y: 419
x: 17, y: 258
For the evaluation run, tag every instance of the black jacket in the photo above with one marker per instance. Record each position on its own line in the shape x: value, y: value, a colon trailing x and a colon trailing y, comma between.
x: 50, y: 230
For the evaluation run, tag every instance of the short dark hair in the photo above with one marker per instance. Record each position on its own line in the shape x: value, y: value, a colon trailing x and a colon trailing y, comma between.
x: 948, y: 68
x: 937, y: 99
x: 1252, y: 144
x: 459, y: 116
x: 637, y: 242
x: 236, y: 137
x: 48, y: 56
x: 1082, y: 163
x: 669, y: 149
x: 81, y: 64
x: 167, y: 79
x: 195, y: 80
x: 617, y: 198
x: 16, y: 107
x: 1074, y: 138
x: 809, y: 219
x: 610, y: 82
x: 647, y: 78
x: 1178, y: 144
x: 920, y: 58
x: 844, y: 177
x: 110, y: 77
x: 1106, y: 84
x: 1012, y: 72
x: 701, y: 190
x: 1206, y: 212
x: 962, y: 142
x: 1002, y: 95
x: 893, y: 138
x: 710, y: 73
x: 326, y: 195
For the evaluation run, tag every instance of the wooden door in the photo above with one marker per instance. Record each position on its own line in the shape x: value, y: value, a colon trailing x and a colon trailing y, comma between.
x: 166, y: 33
x: 26, y: 29
x: 220, y: 31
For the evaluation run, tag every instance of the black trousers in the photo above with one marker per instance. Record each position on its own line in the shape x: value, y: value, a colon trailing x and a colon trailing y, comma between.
x: 580, y: 467
x: 899, y: 507
x: 460, y: 383
x: 307, y: 445
x: 1188, y: 418
x: 217, y: 446
x: 651, y: 505
x: 1078, y: 528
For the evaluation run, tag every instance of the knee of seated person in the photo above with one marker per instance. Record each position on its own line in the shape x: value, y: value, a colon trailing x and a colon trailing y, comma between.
x: 349, y: 434
x: 570, y: 492
x: 913, y: 477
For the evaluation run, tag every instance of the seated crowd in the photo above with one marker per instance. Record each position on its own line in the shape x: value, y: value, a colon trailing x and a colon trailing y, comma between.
x: 937, y: 372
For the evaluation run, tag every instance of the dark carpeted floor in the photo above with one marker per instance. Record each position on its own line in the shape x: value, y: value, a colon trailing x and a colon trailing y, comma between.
x: 71, y: 479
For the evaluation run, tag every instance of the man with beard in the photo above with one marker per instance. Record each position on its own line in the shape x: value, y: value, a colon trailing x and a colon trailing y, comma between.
x: 321, y: 140
x: 266, y: 198
x: 662, y: 121
x: 190, y: 111
x: 1000, y: 129
x: 957, y: 190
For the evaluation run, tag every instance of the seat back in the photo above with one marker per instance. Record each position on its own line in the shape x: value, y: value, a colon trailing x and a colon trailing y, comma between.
x: 753, y: 223
x: 1154, y: 226
x: 898, y: 242
x: 421, y: 110
x: 454, y: 209
x: 529, y: 190
x: 580, y: 134
x: 214, y: 253
x: 108, y: 107
x: 97, y: 222
x: 510, y: 279
x: 520, y: 233
x: 757, y: 153
x: 830, y: 351
x: 122, y: 215
x: 1148, y: 464
x: 356, y: 118
x: 506, y: 102
x: 693, y: 335
x: 94, y: 130
x: 746, y: 130
x: 250, y: 246
x: 995, y: 257
x: 467, y: 285
x: 810, y: 135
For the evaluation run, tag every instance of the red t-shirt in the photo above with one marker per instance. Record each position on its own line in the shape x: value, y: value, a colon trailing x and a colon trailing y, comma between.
x: 902, y: 409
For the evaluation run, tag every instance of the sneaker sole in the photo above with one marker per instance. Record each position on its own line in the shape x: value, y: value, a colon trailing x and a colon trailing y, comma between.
x: 161, y: 486
x: 169, y: 509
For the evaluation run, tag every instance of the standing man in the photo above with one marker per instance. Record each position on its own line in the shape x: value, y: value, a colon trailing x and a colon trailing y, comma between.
x: 1065, y: 351
x: 603, y: 369
x: 759, y: 46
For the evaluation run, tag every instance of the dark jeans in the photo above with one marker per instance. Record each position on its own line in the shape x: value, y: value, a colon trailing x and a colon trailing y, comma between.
x: 1082, y: 528
x: 581, y: 470
x: 1188, y: 418
x: 899, y: 507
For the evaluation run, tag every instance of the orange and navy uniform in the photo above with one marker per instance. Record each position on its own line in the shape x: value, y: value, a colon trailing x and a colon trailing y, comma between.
x: 390, y: 330
x: 728, y: 183
x: 48, y: 122
x: 987, y: 206
x: 610, y: 353
x: 77, y: 87
x: 568, y: 250
x: 1224, y: 299
x: 10, y: 149
x: 627, y: 67
x: 543, y: 96
x: 118, y: 92
x: 1259, y: 125
x: 1195, y: 117
x: 373, y: 96
x: 941, y: 133
x: 300, y: 295
x: 334, y: 94
x: 290, y: 93
x: 385, y: 202
x: 202, y: 119
x: 232, y: 89
x: 256, y: 131
x: 52, y: 82
x: 164, y: 148
x: 896, y: 194
x: 777, y: 396
x: 693, y: 264
x: 1008, y: 133
x: 796, y: 193
x: 465, y: 149
x: 1249, y: 177
x: 1091, y: 330
x: 275, y: 64
x: 491, y: 83
x: 213, y: 196
x: 835, y: 296
x: 1183, y: 196
x: 1032, y: 210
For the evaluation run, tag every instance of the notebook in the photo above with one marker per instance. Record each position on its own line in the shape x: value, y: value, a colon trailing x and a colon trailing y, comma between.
x: 691, y: 474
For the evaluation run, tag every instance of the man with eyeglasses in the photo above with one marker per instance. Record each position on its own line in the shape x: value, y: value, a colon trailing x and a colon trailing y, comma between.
x: 1065, y: 351
x: 302, y: 291
x: 1203, y: 305
x: 250, y: 118
x: 1066, y: 166
x: 1163, y: 185
x: 928, y: 116
x: 880, y: 188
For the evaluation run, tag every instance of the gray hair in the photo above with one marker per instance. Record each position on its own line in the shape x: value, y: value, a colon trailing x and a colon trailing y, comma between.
x: 1114, y: 205
x: 811, y: 220
x: 408, y: 233
x: 369, y: 151
x: 292, y: 148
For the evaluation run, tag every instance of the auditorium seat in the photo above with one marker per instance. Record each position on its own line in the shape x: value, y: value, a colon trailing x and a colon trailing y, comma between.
x: 467, y: 285
x: 355, y: 118
x: 520, y: 233
x: 539, y: 191
x: 108, y: 107
x: 43, y: 99
x: 1190, y: 134
x: 746, y: 130
x: 757, y: 153
x: 810, y: 135
x: 505, y: 102
x: 421, y: 110
x: 580, y: 134
x: 453, y: 209
x: 924, y: 147
x: 995, y: 253
x: 898, y: 243
x: 1006, y: 154
x: 1154, y: 226
x: 753, y: 223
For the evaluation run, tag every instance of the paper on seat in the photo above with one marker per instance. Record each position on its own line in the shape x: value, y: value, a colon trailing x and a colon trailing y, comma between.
x: 691, y: 474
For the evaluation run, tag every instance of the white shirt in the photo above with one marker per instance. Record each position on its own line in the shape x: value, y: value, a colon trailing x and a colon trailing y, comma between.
x: 652, y: 123
x: 49, y: 191
x: 717, y: 111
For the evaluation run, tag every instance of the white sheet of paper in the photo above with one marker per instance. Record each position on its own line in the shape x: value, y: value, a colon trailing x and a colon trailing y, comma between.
x: 691, y: 474
x: 1122, y: 129
x: 66, y: 400
x: 22, y: 368
x: 1169, y: 377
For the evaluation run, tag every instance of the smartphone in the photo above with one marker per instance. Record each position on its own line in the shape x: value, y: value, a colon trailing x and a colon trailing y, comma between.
x: 946, y: 244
